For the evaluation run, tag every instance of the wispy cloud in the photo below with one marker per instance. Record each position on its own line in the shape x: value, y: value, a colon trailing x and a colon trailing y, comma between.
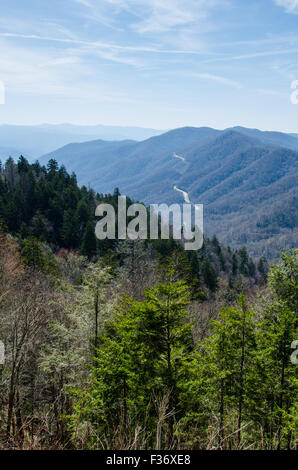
x: 44, y: 74
x: 151, y: 53
x: 272, y: 39
x: 164, y: 15
x: 254, y: 55
x: 102, y: 45
x: 96, y: 11
x: 61, y: 61
x: 154, y: 15
x: 268, y: 92
x: 218, y: 79
x: 291, y: 6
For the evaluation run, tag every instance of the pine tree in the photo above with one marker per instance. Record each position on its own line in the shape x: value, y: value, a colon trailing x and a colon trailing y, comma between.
x: 275, y: 384
x: 70, y: 229
x: 220, y: 373
x: 138, y: 360
x: 33, y: 255
x: 234, y: 264
x: 243, y: 261
x: 262, y: 267
x: 89, y: 244
x: 38, y: 228
x: 209, y: 275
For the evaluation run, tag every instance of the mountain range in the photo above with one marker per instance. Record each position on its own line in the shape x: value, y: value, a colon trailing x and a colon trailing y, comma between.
x: 33, y: 141
x: 246, y: 178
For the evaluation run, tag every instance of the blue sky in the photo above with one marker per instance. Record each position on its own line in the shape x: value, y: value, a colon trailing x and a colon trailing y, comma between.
x: 152, y: 63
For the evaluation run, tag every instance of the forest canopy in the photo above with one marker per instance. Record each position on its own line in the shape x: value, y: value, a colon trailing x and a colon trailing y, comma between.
x: 136, y: 344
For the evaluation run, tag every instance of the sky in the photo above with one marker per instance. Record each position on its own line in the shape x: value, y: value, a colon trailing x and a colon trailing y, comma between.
x: 150, y: 63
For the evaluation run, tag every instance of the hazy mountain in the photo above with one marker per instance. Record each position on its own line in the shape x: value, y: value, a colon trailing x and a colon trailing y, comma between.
x: 6, y: 152
x: 34, y: 141
x: 245, y: 178
x: 98, y: 162
x: 268, y: 137
x: 104, y: 132
x: 88, y: 158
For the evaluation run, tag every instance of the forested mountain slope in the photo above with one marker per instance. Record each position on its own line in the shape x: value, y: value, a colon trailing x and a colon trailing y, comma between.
x: 47, y: 204
x: 101, y: 338
x: 240, y: 175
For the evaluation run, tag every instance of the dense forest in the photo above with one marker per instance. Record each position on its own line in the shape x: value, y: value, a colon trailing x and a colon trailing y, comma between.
x: 246, y: 179
x: 135, y: 344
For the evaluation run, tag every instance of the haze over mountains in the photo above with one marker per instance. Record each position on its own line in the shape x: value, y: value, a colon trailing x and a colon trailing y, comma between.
x: 33, y: 141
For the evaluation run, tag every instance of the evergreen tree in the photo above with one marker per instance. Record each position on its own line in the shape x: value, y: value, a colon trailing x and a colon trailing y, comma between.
x: 52, y: 166
x: 243, y: 261
x: 138, y: 360
x: 234, y: 264
x: 209, y: 275
x: 32, y: 254
x: 276, y: 377
x: 38, y: 228
x: 217, y: 389
x: 70, y: 229
x: 262, y: 267
x: 89, y: 244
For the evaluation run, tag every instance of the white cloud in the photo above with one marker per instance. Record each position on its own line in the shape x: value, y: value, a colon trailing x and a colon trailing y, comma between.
x: 218, y: 79
x: 102, y: 45
x: 154, y: 16
x: 164, y: 15
x: 269, y: 92
x: 45, y: 74
x: 61, y: 61
x: 291, y: 6
x: 84, y: 2
x: 254, y: 55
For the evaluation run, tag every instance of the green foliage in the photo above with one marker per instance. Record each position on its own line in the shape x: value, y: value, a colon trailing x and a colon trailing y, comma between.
x: 233, y: 389
x: 45, y: 202
x: 89, y: 245
x: 144, y: 374
x: 138, y: 358
x: 216, y: 387
x: 209, y: 275
x: 36, y: 257
x: 283, y: 277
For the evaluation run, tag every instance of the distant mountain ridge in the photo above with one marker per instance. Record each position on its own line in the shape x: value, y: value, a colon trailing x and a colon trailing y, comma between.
x: 33, y: 141
x: 246, y: 178
x: 268, y: 137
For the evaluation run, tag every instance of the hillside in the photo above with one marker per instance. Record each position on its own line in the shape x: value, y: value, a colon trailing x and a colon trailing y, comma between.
x: 95, y: 327
x: 240, y: 175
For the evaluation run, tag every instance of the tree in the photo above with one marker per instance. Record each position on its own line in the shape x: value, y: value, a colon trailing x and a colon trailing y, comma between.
x: 276, y: 377
x: 83, y: 213
x: 234, y: 264
x: 70, y: 229
x: 52, y: 166
x: 216, y: 389
x: 35, y: 257
x: 95, y: 281
x: 32, y: 254
x: 22, y: 165
x: 262, y: 267
x: 243, y: 261
x: 137, y: 361
x: 209, y: 275
x: 89, y: 244
x: 38, y: 228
